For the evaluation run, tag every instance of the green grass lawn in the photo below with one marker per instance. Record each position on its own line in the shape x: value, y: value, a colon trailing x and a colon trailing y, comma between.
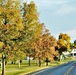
x: 14, y: 70
x: 11, y: 69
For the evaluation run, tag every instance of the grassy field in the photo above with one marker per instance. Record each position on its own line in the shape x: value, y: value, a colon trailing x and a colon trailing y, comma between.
x: 12, y: 69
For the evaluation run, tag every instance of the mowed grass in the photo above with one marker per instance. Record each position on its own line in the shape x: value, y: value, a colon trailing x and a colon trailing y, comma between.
x: 12, y: 69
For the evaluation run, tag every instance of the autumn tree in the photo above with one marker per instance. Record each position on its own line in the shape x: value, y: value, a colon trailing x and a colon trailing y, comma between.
x: 48, y: 46
x: 22, y: 34
x: 44, y: 47
x: 32, y: 26
x: 11, y: 27
x: 72, y: 45
x: 63, y: 43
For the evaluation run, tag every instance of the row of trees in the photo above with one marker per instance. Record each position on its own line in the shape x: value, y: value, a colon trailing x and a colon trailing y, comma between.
x: 19, y: 28
x: 22, y: 34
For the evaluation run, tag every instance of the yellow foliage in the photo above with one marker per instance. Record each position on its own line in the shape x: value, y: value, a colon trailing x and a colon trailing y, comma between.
x: 0, y: 54
x: 1, y: 44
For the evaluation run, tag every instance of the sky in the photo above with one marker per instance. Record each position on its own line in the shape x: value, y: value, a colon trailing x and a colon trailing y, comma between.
x: 59, y: 16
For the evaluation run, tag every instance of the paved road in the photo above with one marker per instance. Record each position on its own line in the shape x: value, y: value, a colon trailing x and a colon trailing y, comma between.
x: 65, y: 69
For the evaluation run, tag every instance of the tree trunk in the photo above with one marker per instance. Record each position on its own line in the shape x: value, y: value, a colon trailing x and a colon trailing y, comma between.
x: 14, y: 62
x: 11, y: 62
x: 60, y: 57
x: 29, y: 60
x: 47, y: 63
x: 18, y: 63
x: 3, y: 65
x: 39, y: 62
x: 47, y: 60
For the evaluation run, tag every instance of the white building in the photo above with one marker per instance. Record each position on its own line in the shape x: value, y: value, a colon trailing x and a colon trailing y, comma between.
x: 72, y: 53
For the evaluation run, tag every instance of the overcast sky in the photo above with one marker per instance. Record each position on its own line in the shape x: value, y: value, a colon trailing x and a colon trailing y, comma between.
x: 59, y: 16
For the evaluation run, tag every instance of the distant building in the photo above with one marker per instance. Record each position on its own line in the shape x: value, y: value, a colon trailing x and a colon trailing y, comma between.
x: 72, y: 53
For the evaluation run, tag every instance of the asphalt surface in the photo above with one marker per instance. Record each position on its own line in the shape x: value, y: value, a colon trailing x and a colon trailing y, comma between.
x: 65, y: 69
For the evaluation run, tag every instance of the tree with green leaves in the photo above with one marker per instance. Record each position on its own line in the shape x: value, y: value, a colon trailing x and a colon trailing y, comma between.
x: 75, y: 42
